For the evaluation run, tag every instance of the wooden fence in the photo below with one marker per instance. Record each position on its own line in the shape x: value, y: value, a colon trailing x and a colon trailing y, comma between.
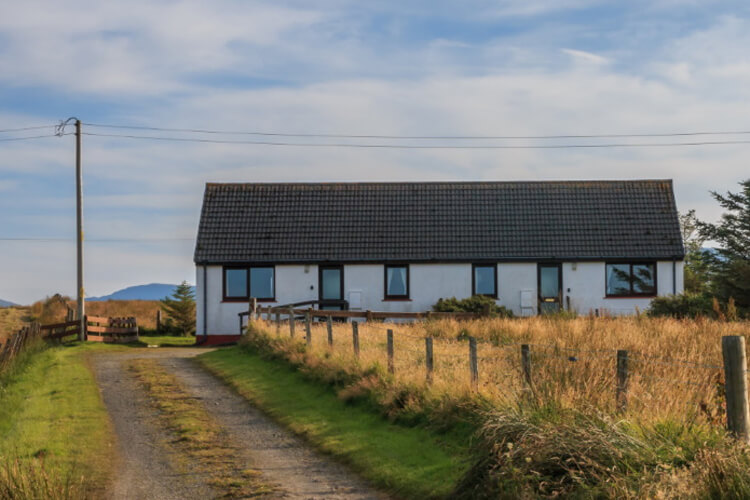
x: 98, y: 329
x: 111, y: 330
x: 275, y: 313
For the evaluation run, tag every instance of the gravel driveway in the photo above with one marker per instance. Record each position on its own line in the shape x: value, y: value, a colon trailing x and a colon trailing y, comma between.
x: 147, y: 468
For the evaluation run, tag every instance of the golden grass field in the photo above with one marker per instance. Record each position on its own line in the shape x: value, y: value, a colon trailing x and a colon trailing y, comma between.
x: 12, y: 319
x: 54, y: 310
x: 674, y: 365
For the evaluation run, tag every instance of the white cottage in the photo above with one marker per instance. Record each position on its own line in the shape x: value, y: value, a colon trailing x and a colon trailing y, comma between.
x: 535, y: 247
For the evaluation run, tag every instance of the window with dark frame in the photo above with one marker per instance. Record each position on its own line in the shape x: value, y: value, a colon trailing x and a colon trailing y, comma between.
x: 241, y: 283
x: 631, y: 279
x: 396, y: 282
x: 484, y: 280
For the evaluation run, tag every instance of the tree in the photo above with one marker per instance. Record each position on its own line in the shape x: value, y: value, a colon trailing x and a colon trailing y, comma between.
x: 697, y: 272
x: 730, y: 267
x: 181, y: 308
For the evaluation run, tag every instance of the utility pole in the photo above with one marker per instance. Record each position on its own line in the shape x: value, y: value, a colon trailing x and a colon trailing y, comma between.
x: 60, y: 131
x: 79, y: 236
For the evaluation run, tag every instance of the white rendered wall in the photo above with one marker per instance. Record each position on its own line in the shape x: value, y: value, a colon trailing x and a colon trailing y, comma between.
x: 583, y: 282
x: 512, y: 279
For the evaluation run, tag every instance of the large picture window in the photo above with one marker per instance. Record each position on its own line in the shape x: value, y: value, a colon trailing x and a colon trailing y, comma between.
x: 631, y: 279
x: 396, y: 282
x: 484, y: 280
x: 241, y: 283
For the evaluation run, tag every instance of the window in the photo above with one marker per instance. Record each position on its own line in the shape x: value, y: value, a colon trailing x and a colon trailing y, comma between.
x: 631, y: 279
x: 241, y: 283
x: 262, y: 283
x: 484, y: 280
x: 235, y: 283
x: 396, y: 282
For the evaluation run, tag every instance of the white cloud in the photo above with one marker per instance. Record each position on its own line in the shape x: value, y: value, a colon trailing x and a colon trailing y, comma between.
x: 174, y: 65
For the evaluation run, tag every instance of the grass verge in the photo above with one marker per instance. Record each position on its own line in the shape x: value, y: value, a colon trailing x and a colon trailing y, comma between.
x: 164, y: 340
x: 411, y: 462
x: 55, y: 435
x: 198, y: 437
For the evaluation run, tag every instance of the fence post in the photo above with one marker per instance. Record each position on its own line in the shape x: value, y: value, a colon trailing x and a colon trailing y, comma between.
x: 428, y: 358
x: 329, y: 327
x: 735, y: 379
x: 391, y: 368
x: 473, y: 362
x: 252, y: 309
x: 158, y: 321
x: 621, y: 397
x: 355, y: 338
x: 291, y: 322
x: 278, y: 322
x: 308, y: 330
x: 526, y: 364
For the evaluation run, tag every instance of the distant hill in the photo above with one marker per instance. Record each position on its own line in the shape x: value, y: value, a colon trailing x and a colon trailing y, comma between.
x: 154, y: 291
x: 6, y: 303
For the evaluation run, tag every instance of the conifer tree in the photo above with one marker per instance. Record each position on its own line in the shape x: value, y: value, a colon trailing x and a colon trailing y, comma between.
x: 181, y: 308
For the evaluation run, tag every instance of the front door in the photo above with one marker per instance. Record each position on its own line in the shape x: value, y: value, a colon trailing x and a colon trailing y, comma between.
x: 550, y: 288
x: 331, y: 286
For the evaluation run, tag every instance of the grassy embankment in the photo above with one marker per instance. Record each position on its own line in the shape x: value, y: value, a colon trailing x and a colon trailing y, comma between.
x: 411, y: 462
x: 55, y: 436
x: 199, y: 439
x: 563, y: 437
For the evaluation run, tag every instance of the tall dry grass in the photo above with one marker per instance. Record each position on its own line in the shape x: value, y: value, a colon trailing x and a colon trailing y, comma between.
x: 563, y: 436
x: 674, y: 365
x: 12, y: 319
x: 54, y: 310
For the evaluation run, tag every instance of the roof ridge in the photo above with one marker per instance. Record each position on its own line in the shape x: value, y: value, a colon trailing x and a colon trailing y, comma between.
x: 467, y: 183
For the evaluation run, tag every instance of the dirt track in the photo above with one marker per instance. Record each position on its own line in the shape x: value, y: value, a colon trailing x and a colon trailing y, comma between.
x: 147, y: 469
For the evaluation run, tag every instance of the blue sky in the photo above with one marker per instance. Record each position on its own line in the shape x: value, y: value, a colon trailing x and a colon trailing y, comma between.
x: 389, y: 68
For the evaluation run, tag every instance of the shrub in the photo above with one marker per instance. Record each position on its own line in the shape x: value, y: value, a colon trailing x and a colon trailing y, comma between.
x: 477, y: 304
x: 684, y: 305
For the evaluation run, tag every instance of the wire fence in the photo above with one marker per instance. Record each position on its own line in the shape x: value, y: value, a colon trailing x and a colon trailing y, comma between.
x: 613, y: 379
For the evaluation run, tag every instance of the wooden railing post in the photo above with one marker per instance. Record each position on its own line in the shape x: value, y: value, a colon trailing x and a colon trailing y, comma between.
x: 621, y: 396
x: 526, y: 364
x: 158, y: 321
x: 391, y: 368
x: 355, y: 338
x: 329, y: 327
x: 735, y: 379
x: 291, y: 322
x: 428, y: 358
x: 473, y: 362
x: 308, y: 328
x: 278, y: 322
x: 252, y: 310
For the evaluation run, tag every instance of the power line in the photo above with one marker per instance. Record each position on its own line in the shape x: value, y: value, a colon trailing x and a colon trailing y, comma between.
x: 9, y: 139
x: 22, y: 129
x: 416, y: 146
x: 416, y: 137
x: 100, y: 240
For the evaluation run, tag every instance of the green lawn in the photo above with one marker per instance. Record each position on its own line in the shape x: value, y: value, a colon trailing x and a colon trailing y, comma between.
x: 164, y: 341
x: 410, y: 462
x: 51, y: 415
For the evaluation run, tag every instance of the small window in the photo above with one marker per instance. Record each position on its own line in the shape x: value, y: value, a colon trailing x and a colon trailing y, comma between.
x: 235, y: 283
x: 262, y: 283
x: 396, y: 282
x: 485, y: 280
x: 241, y: 283
x: 631, y: 279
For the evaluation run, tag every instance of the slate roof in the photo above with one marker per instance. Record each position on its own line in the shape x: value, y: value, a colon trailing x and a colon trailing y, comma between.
x: 438, y: 221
